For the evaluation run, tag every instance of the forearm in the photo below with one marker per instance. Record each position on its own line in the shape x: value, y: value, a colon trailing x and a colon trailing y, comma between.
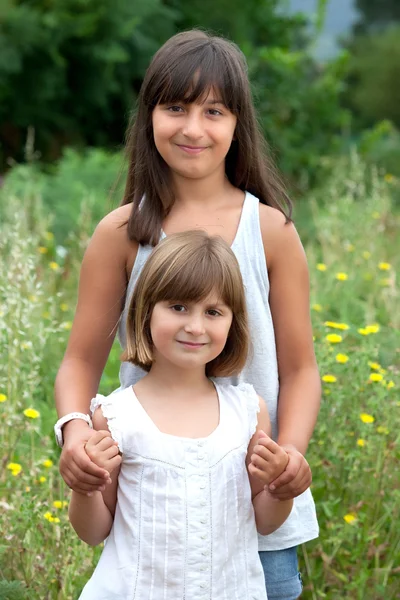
x: 298, y: 407
x: 270, y: 513
x: 90, y: 517
x: 76, y: 384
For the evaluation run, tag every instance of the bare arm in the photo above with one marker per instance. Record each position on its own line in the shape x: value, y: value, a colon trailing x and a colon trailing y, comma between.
x: 102, y: 289
x: 265, y: 461
x: 300, y: 388
x: 92, y: 517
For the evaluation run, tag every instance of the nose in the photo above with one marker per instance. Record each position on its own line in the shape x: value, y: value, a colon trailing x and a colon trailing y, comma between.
x: 195, y: 325
x: 192, y: 127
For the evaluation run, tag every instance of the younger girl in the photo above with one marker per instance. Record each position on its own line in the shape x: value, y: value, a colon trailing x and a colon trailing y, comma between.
x: 196, y: 161
x: 181, y: 515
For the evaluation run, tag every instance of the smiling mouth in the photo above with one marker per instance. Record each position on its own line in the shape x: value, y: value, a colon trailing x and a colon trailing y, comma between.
x: 192, y: 344
x: 192, y: 149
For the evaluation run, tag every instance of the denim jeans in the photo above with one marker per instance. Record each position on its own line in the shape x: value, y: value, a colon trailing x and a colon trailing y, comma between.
x: 281, y: 571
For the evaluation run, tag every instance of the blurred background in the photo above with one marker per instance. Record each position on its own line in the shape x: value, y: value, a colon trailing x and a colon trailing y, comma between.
x: 325, y: 76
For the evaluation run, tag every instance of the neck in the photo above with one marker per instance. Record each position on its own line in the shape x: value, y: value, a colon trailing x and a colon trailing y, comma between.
x: 177, y: 381
x: 203, y: 192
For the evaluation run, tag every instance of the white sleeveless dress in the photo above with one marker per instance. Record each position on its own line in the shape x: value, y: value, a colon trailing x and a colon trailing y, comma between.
x: 184, y: 526
x: 261, y: 369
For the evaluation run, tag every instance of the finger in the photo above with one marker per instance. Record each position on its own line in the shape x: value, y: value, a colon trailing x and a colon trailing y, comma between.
x: 76, y: 485
x: 105, y: 443
x: 255, y: 472
x: 114, y: 463
x: 289, y: 474
x: 267, y: 442
x: 87, y: 478
x: 111, y: 452
x: 87, y: 466
x: 265, y: 453
x: 287, y: 478
x: 294, y: 488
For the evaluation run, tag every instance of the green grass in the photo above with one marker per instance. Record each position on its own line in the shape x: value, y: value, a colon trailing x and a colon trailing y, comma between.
x: 350, y: 227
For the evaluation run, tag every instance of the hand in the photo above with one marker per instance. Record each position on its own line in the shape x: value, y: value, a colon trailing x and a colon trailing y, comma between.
x: 103, y: 451
x: 268, y: 460
x: 295, y: 479
x: 76, y: 468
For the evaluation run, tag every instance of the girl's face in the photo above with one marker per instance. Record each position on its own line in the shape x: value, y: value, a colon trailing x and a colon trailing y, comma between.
x: 194, y: 139
x: 189, y: 335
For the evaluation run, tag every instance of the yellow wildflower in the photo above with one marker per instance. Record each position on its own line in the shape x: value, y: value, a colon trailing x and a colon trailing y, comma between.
x: 342, y: 276
x: 342, y: 358
x: 27, y: 489
x: 60, y: 503
x: 373, y: 328
x: 384, y: 266
x: 64, y: 307
x: 47, y: 515
x: 49, y: 236
x: 366, y: 418
x: 15, y: 468
x: 390, y: 385
x: 42, y: 250
x: 66, y: 325
x: 375, y: 377
x: 366, y: 254
x: 350, y: 518
x: 31, y: 413
x: 329, y: 378
x: 363, y: 331
x: 388, y: 178
x: 361, y: 442
x: 42, y: 479
x: 374, y: 365
x: 333, y: 338
x: 382, y: 429
x: 3, y: 397
x: 335, y: 325
x: 317, y: 307
x: 321, y: 267
x: 47, y: 463
x: 53, y: 265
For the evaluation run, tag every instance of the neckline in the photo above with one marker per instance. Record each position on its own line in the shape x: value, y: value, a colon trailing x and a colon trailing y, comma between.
x: 178, y: 437
x: 239, y: 227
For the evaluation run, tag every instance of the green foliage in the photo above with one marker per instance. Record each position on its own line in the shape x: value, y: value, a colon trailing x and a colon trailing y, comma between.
x: 13, y: 590
x: 299, y: 105
x: 374, y: 73
x: 67, y: 68
x: 94, y: 177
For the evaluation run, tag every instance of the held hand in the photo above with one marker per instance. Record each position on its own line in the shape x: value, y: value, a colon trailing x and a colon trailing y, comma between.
x: 268, y: 460
x: 295, y: 479
x: 76, y: 468
x: 103, y: 451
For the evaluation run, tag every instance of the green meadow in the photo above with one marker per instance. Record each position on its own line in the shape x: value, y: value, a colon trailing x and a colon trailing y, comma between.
x: 350, y: 229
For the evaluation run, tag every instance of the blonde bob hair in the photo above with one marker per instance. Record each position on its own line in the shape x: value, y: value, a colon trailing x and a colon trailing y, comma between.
x: 187, y: 267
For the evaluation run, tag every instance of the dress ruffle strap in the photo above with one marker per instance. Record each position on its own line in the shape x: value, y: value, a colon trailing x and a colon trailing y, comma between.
x: 109, y: 408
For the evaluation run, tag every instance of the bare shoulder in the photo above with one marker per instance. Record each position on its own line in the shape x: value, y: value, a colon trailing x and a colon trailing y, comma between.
x: 115, y: 222
x: 279, y: 237
x: 110, y: 239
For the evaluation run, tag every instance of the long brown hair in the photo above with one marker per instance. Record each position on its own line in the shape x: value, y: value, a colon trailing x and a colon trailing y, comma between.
x: 220, y: 65
x: 187, y: 267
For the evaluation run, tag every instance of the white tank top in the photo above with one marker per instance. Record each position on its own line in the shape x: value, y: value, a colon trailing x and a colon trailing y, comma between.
x: 261, y: 369
x: 184, y: 525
